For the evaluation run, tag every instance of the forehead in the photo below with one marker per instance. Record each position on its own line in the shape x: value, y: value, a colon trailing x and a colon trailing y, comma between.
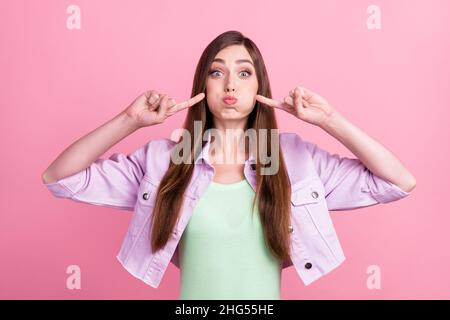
x: 232, y: 53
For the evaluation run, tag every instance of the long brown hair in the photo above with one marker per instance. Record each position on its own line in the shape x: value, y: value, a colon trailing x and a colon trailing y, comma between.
x: 272, y: 191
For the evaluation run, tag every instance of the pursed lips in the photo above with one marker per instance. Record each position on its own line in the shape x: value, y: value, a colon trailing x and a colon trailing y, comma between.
x: 229, y: 100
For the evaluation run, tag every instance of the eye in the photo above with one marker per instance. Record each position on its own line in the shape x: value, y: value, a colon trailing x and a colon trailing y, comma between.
x: 213, y: 71
x: 247, y: 71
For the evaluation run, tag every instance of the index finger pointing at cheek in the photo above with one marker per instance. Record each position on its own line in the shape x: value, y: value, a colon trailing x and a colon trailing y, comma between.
x: 268, y: 101
x: 196, y: 99
x: 190, y: 102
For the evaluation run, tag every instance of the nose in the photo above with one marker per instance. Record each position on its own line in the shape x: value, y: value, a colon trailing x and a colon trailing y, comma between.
x: 229, y: 86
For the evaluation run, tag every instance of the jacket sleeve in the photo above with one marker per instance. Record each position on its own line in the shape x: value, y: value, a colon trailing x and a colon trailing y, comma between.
x: 349, y: 184
x: 111, y: 182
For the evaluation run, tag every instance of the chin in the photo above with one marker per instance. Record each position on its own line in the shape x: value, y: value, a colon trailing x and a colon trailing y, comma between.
x: 231, y: 116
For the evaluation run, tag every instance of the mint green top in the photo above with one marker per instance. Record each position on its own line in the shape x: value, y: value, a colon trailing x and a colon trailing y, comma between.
x: 222, y: 250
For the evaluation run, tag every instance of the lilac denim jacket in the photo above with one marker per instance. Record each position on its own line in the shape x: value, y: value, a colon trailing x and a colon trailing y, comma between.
x: 320, y: 182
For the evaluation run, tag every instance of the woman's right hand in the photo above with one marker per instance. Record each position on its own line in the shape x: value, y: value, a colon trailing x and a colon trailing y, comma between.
x: 153, y: 108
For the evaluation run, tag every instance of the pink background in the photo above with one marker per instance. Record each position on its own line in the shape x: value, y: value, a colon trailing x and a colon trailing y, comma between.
x: 58, y: 84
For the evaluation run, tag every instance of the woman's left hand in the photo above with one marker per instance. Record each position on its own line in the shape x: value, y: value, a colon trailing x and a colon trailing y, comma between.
x: 303, y: 104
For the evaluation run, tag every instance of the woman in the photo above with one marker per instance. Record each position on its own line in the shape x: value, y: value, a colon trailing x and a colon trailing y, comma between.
x: 231, y: 228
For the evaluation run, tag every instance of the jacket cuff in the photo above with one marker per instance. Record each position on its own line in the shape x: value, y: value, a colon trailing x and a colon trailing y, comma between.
x: 390, y: 192
x: 67, y: 187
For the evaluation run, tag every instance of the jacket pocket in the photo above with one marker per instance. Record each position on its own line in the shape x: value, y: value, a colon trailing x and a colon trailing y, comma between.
x: 145, y: 209
x: 309, y: 191
x: 139, y: 225
x: 147, y: 192
x: 305, y: 196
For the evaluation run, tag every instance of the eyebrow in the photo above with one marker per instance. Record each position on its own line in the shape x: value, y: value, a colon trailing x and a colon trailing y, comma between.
x: 237, y: 61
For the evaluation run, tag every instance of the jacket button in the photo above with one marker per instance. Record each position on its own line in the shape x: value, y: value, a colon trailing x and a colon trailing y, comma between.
x: 314, y: 194
x: 291, y: 229
x: 253, y: 166
x: 145, y: 196
x: 308, y: 265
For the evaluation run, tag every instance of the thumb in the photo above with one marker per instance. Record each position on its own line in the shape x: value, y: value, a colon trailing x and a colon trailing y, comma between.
x: 163, y: 106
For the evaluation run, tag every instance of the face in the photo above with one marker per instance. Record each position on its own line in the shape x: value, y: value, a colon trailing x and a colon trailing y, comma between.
x: 228, y: 75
